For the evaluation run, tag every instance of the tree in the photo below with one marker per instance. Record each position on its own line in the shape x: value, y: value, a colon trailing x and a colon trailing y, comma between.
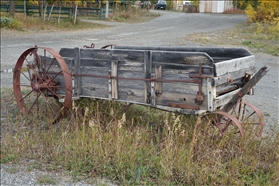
x: 243, y: 4
x: 12, y: 7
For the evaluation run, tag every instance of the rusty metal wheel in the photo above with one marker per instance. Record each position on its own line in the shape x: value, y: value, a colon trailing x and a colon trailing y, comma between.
x: 250, y: 117
x: 224, y: 124
x: 41, y: 78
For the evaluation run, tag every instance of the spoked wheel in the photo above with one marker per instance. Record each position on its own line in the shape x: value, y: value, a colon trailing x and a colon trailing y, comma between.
x: 41, y: 78
x: 223, y: 124
x: 250, y: 117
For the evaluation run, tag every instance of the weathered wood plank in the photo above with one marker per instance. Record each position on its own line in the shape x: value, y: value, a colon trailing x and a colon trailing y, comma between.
x: 214, y: 53
x: 168, y: 68
x: 233, y: 65
x: 223, y: 79
x: 116, y: 55
x: 67, y: 52
x: 114, y: 82
x: 147, y: 75
x: 158, y: 75
x: 190, y: 58
x: 187, y: 99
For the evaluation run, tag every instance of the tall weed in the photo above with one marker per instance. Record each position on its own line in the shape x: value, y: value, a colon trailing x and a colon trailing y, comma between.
x: 136, y: 145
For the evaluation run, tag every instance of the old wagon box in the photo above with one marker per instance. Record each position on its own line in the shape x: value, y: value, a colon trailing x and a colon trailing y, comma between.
x: 190, y: 80
x: 187, y: 79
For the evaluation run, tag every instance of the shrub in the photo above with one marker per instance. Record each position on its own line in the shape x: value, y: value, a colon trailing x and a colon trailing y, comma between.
x: 8, y: 22
x: 5, y: 21
x: 267, y: 12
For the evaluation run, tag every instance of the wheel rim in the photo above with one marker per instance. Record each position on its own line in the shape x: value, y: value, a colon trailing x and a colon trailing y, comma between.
x: 225, y: 123
x: 41, y: 78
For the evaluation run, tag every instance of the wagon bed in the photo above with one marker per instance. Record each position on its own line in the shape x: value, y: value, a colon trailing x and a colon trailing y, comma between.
x: 190, y: 80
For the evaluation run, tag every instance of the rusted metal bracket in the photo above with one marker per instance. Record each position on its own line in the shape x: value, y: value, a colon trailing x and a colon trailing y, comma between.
x: 91, y: 46
x: 200, y: 94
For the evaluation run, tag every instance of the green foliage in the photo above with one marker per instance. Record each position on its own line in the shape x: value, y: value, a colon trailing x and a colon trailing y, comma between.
x: 5, y: 21
x: 243, y: 4
x: 8, y: 22
x: 266, y: 14
x: 195, y: 2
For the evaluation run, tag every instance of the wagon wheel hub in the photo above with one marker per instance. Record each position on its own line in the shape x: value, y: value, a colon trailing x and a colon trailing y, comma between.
x: 40, y: 83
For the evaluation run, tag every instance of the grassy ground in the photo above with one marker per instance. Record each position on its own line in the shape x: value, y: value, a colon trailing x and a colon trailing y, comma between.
x: 251, y: 36
x: 135, y: 145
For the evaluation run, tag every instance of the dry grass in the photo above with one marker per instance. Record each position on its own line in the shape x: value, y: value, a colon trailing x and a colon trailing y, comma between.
x: 247, y: 35
x: 135, y: 145
x: 132, y: 15
x: 28, y: 23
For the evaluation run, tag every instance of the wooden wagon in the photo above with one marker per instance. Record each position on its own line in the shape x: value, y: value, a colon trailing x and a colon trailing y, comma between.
x: 189, y: 80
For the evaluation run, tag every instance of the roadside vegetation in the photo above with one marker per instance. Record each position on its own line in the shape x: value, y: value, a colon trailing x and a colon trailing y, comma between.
x: 19, y: 22
x: 135, y: 145
x: 259, y: 34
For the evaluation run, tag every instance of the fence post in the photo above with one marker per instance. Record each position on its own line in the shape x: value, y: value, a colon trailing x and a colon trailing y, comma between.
x: 58, y: 20
x: 45, y: 12
x: 107, y: 6
x: 75, y: 16
x: 50, y: 12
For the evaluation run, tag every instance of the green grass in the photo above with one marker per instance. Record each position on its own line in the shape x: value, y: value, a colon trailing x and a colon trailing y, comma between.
x: 136, y: 145
x: 46, y: 180
x: 12, y: 170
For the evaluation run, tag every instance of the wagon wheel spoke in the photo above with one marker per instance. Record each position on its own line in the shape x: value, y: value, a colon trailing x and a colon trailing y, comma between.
x: 251, y: 118
x: 41, y: 78
x: 225, y: 123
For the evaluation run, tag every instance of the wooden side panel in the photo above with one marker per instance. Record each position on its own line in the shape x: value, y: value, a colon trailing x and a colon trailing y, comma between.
x: 233, y: 76
x: 226, y: 67
x: 123, y: 65
x: 215, y: 54
x: 132, y: 71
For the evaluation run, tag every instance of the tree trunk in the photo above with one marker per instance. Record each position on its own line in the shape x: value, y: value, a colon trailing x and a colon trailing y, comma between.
x: 41, y: 7
x: 89, y: 4
x: 12, y: 8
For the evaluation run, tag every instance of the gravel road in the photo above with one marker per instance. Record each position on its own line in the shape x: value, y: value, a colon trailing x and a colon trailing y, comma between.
x: 170, y: 29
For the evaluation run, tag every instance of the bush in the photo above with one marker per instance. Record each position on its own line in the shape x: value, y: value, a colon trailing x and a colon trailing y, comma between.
x: 5, y: 21
x: 267, y: 12
x: 8, y: 22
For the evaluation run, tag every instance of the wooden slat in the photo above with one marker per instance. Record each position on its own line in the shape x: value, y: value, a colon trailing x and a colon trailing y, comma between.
x: 115, y: 55
x: 176, y: 57
x: 214, y: 53
x: 147, y: 75
x: 67, y: 52
x: 158, y: 75
x: 114, y: 82
x: 223, y: 79
x: 233, y: 65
